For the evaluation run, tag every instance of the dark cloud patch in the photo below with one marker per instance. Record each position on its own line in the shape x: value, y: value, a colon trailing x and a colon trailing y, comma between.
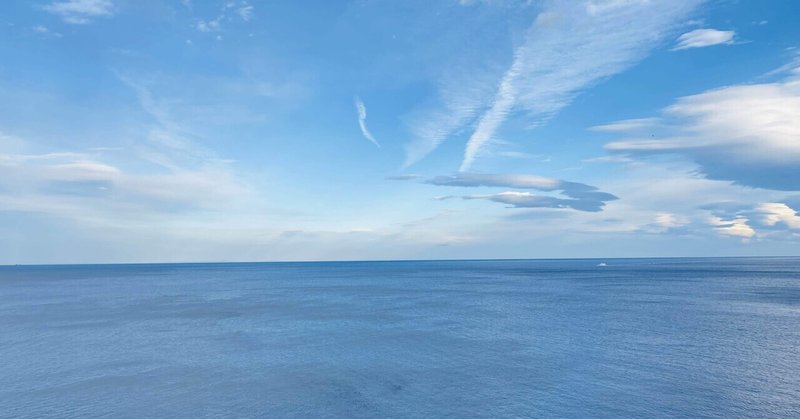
x: 578, y: 196
x: 529, y: 200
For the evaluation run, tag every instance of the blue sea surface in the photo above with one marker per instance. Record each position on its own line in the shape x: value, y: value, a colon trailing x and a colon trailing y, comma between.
x: 518, y: 338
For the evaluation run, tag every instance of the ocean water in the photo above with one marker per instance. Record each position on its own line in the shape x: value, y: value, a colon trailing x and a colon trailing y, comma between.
x: 526, y: 338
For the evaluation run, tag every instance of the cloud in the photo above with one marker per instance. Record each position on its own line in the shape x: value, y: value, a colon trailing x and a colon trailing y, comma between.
x: 665, y: 221
x: 80, y: 186
x: 529, y: 200
x: 700, y: 38
x: 774, y: 213
x: 81, y: 11
x: 230, y: 10
x: 164, y: 171
x: 627, y: 125
x: 582, y: 197
x: 44, y: 31
x: 520, y: 181
x: 213, y: 25
x: 402, y: 177
x: 570, y: 47
x: 245, y: 12
x: 748, y: 134
x: 462, y: 95
x: 736, y: 227
x: 362, y: 122
x: 498, y: 180
x: 774, y: 219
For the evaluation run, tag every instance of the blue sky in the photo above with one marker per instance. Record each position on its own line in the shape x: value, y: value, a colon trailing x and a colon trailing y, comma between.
x: 233, y: 130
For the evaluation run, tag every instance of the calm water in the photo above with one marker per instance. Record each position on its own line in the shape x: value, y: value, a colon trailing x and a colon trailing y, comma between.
x: 636, y: 338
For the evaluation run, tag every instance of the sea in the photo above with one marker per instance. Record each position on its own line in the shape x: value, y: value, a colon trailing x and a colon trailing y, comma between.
x: 580, y: 338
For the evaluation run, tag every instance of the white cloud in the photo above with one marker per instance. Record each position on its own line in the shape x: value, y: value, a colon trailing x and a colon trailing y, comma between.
x: 230, y: 10
x: 245, y: 12
x: 213, y: 25
x: 46, y: 32
x: 362, y: 122
x: 665, y: 221
x: 81, y: 11
x: 774, y: 213
x: 499, y: 180
x: 462, y: 95
x: 40, y: 29
x: 570, y: 47
x: 736, y: 227
x: 700, y: 38
x: 749, y: 134
x: 81, y: 187
x: 627, y: 125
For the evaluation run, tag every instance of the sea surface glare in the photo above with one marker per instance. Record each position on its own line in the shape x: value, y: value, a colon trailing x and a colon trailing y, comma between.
x: 527, y: 338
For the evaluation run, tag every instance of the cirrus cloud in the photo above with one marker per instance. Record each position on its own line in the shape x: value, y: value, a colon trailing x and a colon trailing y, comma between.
x: 700, y: 38
x: 602, y: 38
x: 530, y: 200
x: 569, y: 47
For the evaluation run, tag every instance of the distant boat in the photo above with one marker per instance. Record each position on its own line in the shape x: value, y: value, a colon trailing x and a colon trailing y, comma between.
x: 602, y: 264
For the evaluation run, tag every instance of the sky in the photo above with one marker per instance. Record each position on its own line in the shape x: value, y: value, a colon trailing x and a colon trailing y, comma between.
x: 243, y: 130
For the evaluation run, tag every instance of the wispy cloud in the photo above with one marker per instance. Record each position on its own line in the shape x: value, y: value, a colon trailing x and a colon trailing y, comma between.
x: 700, y: 38
x: 44, y: 31
x: 80, y: 11
x: 664, y: 222
x: 443, y: 197
x: 499, y: 180
x: 628, y: 125
x: 570, y: 47
x: 245, y: 11
x: 231, y: 11
x: 82, y: 186
x: 211, y: 25
x: 462, y: 96
x: 362, y: 122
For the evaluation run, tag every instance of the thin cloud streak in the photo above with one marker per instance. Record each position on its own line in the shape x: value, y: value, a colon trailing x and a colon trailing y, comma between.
x: 570, y: 47
x: 463, y: 94
x: 362, y: 122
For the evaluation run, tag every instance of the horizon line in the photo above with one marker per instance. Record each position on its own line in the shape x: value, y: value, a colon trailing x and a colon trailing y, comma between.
x: 388, y: 260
